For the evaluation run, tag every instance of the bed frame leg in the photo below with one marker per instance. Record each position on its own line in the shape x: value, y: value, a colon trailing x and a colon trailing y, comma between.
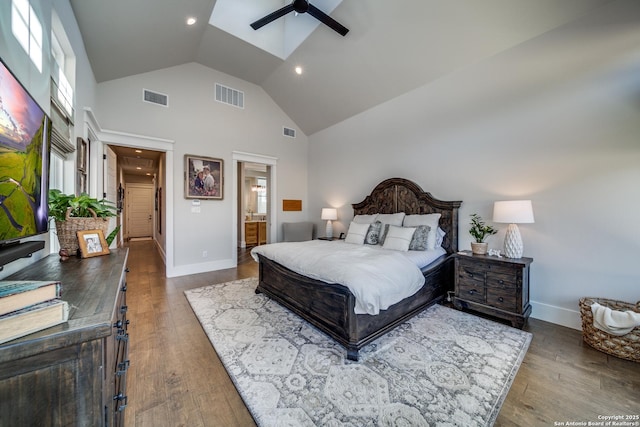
x: 352, y: 354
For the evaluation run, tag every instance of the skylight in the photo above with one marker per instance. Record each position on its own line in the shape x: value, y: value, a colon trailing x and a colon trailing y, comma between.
x: 281, y: 37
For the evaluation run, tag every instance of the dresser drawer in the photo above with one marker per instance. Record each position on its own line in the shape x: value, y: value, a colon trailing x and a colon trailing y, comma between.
x: 471, y: 292
x: 504, y: 299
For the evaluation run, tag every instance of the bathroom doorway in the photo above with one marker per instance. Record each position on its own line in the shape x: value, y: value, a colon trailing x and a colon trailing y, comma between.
x: 254, y: 212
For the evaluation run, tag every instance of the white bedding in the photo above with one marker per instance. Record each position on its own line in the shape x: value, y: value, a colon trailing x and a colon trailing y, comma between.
x: 378, y: 278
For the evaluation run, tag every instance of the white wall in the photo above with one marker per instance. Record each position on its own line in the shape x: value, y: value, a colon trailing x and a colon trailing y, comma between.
x: 38, y: 83
x: 555, y: 120
x: 200, y: 126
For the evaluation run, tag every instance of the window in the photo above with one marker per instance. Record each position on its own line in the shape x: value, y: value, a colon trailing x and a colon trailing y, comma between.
x: 27, y: 30
x: 63, y: 92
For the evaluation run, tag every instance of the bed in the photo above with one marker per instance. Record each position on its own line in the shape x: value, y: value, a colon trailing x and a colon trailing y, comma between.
x: 330, y: 306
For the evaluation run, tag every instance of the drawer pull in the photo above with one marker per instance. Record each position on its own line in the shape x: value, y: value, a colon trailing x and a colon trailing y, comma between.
x: 118, y: 324
x: 500, y: 299
x: 122, y: 367
x: 501, y: 281
x: 472, y: 292
x: 121, y: 397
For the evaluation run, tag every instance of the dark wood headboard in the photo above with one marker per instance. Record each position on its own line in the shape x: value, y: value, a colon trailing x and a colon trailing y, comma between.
x: 395, y: 195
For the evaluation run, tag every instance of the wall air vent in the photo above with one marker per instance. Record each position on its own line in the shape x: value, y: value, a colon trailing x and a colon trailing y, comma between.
x: 289, y: 132
x: 155, y: 97
x: 230, y: 96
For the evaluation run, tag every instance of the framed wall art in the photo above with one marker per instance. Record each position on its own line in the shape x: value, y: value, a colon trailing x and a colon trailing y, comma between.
x: 203, y: 177
x: 82, y: 160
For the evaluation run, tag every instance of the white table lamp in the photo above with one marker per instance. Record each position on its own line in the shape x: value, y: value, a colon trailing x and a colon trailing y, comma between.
x: 329, y: 214
x: 513, y: 212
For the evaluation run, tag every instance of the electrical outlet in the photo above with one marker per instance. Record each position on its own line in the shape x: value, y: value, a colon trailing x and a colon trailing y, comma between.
x: 205, y: 254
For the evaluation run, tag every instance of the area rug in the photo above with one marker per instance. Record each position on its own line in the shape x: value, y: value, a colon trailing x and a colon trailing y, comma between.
x: 441, y: 368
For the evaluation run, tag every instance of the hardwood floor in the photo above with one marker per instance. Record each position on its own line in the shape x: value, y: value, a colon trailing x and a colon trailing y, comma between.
x: 176, y: 378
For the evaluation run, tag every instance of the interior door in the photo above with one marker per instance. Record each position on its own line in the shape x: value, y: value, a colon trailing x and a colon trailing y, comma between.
x: 139, y: 200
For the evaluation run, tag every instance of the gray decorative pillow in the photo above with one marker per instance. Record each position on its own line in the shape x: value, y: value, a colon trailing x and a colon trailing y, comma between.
x: 419, y: 239
x: 384, y: 229
x: 373, y: 234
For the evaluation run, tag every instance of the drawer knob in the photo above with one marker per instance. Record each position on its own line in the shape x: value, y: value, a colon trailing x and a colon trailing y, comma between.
x: 124, y: 288
x: 472, y: 292
x: 501, y: 281
x: 501, y: 299
x: 123, y: 309
x: 118, y: 324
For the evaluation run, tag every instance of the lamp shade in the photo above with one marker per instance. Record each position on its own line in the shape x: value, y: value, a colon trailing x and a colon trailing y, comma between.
x: 329, y: 214
x: 513, y: 212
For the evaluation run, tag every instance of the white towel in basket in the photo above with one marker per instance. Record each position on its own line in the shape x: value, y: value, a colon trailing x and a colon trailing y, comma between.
x: 614, y: 322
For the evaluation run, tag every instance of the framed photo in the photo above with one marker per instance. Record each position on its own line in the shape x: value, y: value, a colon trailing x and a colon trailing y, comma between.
x: 92, y: 243
x: 203, y: 177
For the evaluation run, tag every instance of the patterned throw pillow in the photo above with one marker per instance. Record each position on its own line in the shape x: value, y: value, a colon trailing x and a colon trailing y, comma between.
x: 420, y: 238
x: 373, y: 234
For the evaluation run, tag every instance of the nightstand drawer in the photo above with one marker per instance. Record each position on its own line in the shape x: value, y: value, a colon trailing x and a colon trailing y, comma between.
x: 471, y: 292
x: 502, y: 299
x: 502, y: 280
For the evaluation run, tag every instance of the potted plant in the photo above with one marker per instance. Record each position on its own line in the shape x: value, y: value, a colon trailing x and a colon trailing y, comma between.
x: 480, y: 231
x: 76, y: 213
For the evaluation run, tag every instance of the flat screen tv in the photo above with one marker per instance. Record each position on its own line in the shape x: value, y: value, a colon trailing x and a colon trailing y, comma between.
x: 25, y: 132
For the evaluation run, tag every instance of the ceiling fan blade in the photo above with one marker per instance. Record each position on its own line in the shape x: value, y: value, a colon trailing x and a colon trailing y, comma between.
x: 327, y: 20
x: 272, y: 17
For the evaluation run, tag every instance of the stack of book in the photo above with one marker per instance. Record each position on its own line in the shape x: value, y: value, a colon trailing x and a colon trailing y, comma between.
x: 30, y: 306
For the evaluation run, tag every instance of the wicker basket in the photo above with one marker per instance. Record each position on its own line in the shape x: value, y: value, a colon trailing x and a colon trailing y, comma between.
x: 625, y: 346
x: 67, y: 230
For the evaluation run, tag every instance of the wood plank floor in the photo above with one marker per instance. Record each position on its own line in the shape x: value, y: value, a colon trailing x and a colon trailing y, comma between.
x: 176, y: 378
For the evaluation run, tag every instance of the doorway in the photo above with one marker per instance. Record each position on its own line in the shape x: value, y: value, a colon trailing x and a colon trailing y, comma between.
x: 254, y: 203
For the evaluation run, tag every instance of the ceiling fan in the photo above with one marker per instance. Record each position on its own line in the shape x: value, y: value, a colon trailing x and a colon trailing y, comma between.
x: 301, y: 6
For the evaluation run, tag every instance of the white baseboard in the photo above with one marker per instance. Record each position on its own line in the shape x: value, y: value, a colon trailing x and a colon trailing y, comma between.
x: 204, y: 267
x: 558, y: 315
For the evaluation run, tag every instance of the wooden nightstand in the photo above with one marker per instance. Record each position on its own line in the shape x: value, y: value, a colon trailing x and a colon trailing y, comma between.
x: 495, y: 286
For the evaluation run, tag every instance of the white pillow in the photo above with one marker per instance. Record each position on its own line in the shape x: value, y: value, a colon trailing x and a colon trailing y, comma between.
x: 440, y: 237
x: 391, y: 219
x: 365, y: 219
x: 398, y: 238
x: 356, y: 233
x: 431, y: 220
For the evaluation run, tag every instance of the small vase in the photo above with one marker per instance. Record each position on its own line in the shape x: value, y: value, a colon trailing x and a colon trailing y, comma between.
x: 479, y: 248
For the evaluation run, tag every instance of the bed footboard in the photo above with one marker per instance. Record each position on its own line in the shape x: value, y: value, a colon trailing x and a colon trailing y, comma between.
x: 330, y: 307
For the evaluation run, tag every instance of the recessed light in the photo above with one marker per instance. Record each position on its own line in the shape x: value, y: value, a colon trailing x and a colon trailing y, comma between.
x: 138, y: 151
x: 191, y: 21
x: 298, y: 70
x: 139, y: 168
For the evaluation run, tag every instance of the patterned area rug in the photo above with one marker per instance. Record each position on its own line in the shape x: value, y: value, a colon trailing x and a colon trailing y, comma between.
x: 441, y: 368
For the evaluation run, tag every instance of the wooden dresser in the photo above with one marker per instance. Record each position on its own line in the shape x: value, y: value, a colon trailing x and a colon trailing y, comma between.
x: 495, y: 286
x: 73, y: 374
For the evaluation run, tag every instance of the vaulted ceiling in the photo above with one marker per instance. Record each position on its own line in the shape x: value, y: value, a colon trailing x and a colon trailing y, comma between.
x: 392, y: 46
